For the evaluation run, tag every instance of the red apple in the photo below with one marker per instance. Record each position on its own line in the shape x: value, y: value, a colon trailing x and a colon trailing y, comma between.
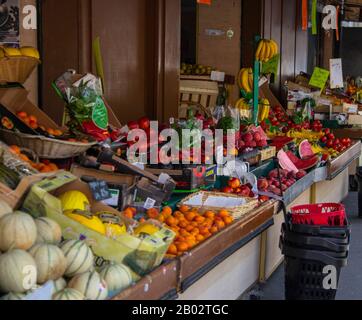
x: 227, y: 190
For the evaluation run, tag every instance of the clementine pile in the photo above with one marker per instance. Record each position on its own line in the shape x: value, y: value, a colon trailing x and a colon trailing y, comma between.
x: 192, y: 227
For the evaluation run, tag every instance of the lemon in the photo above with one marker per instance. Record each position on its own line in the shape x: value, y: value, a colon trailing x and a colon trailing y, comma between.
x: 88, y: 220
x: 12, y: 52
x: 30, y: 52
x: 147, y: 229
x: 74, y: 200
x: 115, y: 230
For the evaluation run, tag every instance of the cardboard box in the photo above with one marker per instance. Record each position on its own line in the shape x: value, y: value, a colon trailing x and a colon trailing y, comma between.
x: 121, y: 186
x: 15, y: 99
x: 141, y: 255
x: 151, y: 188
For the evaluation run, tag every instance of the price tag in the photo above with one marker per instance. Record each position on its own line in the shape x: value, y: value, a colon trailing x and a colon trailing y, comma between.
x: 149, y: 203
x: 100, y: 114
x: 100, y: 190
x: 319, y: 78
x: 218, y: 76
x: 336, y: 73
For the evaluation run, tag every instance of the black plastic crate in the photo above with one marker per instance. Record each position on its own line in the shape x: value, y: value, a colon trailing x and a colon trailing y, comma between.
x: 304, y: 273
x: 305, y: 241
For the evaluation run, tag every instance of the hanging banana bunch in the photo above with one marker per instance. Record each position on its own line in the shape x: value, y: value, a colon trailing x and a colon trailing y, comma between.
x: 244, y: 109
x: 264, y: 110
x: 267, y: 49
x: 246, y: 79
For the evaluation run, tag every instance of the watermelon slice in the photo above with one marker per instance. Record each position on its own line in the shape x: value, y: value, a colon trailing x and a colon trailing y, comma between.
x: 303, y: 164
x: 305, y: 150
x: 286, y: 163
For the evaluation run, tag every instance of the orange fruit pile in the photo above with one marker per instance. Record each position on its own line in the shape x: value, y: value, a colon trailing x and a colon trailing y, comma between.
x: 44, y: 167
x: 32, y: 122
x: 192, y: 227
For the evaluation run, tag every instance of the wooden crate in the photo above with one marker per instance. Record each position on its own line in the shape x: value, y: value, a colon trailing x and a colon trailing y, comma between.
x: 199, y: 90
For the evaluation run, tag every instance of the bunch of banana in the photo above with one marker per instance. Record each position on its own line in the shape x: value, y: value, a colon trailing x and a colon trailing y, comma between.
x: 244, y: 108
x: 264, y: 110
x: 304, y: 135
x: 246, y: 79
x: 317, y: 149
x: 267, y: 49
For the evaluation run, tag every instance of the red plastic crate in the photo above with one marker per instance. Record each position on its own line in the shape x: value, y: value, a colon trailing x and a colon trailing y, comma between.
x: 325, y: 214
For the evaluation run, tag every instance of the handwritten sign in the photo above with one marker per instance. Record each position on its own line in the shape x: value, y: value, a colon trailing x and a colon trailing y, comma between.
x: 336, y: 73
x: 272, y: 66
x: 319, y: 78
x: 100, y: 114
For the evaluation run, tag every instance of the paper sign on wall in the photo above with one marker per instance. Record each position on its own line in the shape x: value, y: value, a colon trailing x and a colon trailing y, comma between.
x: 319, y: 78
x: 336, y: 73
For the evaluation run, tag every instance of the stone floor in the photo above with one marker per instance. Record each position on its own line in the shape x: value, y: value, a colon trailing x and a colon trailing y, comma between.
x: 350, y: 286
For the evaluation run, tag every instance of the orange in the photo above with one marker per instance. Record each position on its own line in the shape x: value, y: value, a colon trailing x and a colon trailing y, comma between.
x: 128, y: 213
x: 171, y: 221
x: 191, y: 243
x: 51, y: 132
x: 208, y: 235
x: 228, y: 220
x: 26, y: 121
x: 58, y: 133
x: 190, y: 216
x: 167, y: 211
x: 172, y: 249
x: 15, y: 149
x: 204, y: 231
x: 189, y: 228
x: 22, y: 114
x: 182, y: 246
x: 224, y: 214
x: 24, y: 158
x: 183, y: 224
x: 194, y: 224
x: 142, y: 220
x: 220, y: 224
x: 53, y: 166
x: 195, y: 231
x: 161, y: 218
x: 184, y: 209
x: 33, y: 125
x: 46, y: 169
x: 209, y: 215
x: 209, y: 222
x: 178, y: 214
x: 33, y: 118
x: 200, y: 219
x: 176, y: 230
x: 153, y: 213
x: 184, y: 233
x: 200, y: 238
x: 214, y: 230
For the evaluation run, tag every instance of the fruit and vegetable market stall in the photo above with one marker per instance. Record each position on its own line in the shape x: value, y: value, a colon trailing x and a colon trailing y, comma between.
x: 96, y: 222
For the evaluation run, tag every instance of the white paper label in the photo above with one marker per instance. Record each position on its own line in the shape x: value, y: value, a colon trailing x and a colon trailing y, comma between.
x: 218, y: 76
x: 149, y: 204
x: 163, y: 178
x: 336, y: 73
x: 350, y: 108
x: 113, y: 201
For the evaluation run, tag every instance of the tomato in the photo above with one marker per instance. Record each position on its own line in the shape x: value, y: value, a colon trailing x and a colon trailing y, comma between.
x: 144, y: 123
x: 327, y: 131
x: 331, y: 136
x: 330, y: 144
x: 324, y: 139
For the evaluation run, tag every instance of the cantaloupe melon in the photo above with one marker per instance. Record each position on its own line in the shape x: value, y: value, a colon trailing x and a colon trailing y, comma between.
x: 13, y: 297
x: 91, y: 285
x: 68, y: 294
x: 50, y: 262
x: 59, y: 285
x: 117, y: 276
x: 4, y: 209
x: 79, y: 257
x: 49, y: 231
x: 17, y: 231
x: 18, y: 272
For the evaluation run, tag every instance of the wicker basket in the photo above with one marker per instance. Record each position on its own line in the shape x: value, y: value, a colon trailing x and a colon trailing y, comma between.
x: 17, y: 69
x: 236, y: 212
x: 268, y: 153
x: 45, y: 147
